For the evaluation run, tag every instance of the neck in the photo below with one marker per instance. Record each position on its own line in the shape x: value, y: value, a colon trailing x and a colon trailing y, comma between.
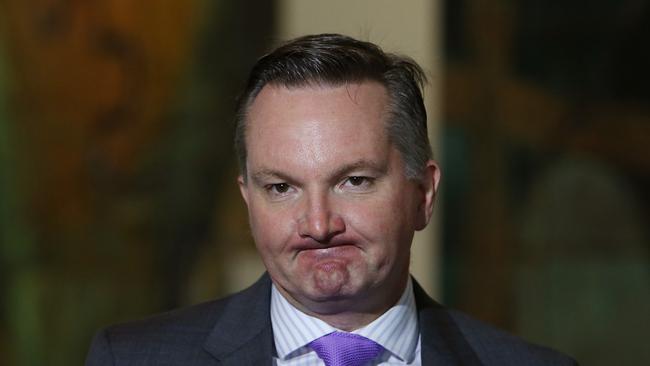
x: 350, y: 321
x: 351, y: 313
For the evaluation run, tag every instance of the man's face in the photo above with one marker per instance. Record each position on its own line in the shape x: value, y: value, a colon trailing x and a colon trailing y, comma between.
x: 330, y: 208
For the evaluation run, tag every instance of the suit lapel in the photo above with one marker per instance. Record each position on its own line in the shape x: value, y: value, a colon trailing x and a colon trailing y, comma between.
x: 243, y: 334
x: 441, y: 340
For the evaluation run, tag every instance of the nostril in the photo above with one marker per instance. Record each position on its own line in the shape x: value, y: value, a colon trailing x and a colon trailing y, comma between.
x: 321, y: 228
x: 337, y: 225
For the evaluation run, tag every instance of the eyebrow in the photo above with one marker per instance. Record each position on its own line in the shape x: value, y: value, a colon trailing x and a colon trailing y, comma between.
x: 265, y: 174
x: 361, y: 164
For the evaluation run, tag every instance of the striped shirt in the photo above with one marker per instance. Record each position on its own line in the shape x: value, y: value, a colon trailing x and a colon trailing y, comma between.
x: 396, y: 330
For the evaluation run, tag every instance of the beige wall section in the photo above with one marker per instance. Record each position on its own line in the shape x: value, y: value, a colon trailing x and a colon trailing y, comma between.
x: 410, y: 27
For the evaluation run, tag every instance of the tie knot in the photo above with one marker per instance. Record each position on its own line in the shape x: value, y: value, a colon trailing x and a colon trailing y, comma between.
x: 345, y: 349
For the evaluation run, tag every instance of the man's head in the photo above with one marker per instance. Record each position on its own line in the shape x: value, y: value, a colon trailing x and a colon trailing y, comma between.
x: 333, y: 59
x: 332, y: 200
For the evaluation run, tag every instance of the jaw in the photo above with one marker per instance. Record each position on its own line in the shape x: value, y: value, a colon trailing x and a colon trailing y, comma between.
x: 331, y: 294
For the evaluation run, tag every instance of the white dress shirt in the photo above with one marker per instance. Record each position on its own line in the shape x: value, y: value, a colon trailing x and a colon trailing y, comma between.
x: 396, y: 330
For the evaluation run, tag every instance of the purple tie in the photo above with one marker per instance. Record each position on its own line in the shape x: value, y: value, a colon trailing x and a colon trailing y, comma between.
x: 345, y: 349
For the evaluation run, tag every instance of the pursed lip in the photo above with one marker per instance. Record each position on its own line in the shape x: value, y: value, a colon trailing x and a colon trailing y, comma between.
x: 309, y: 244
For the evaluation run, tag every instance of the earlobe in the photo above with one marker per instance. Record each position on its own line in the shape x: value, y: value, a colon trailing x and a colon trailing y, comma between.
x: 429, y: 187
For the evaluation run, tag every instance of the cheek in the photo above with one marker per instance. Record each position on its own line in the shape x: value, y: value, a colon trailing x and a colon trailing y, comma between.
x: 386, y: 224
x: 377, y: 221
x: 269, y: 228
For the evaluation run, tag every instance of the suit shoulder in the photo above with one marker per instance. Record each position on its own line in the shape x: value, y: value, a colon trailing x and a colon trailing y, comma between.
x: 497, y: 347
x: 197, y: 318
x: 151, y: 340
x: 177, y: 336
x: 173, y: 335
x: 189, y: 326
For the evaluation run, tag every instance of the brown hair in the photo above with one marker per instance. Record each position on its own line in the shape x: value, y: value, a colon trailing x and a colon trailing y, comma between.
x: 334, y: 59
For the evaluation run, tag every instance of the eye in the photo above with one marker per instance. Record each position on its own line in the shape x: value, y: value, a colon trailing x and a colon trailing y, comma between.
x: 280, y: 187
x: 276, y: 190
x: 357, y: 183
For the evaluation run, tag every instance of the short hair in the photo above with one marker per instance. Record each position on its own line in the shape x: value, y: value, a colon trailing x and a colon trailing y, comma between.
x: 334, y: 59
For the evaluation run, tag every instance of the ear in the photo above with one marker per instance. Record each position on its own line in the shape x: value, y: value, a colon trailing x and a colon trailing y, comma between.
x: 243, y: 188
x: 429, y: 187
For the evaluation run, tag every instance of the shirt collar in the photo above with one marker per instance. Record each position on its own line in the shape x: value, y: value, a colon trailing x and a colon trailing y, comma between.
x: 396, y: 330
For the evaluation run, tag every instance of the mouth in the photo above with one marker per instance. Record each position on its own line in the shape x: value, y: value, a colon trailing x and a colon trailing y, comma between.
x: 308, y: 245
x: 319, y: 251
x: 331, y: 251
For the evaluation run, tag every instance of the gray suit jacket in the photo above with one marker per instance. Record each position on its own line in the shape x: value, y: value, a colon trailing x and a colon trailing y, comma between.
x: 237, y: 330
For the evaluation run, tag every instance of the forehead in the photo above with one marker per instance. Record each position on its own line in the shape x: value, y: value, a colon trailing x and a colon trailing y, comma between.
x: 285, y: 102
x: 317, y: 122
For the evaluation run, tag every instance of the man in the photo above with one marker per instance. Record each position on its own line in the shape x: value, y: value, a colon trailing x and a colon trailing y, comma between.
x: 337, y: 174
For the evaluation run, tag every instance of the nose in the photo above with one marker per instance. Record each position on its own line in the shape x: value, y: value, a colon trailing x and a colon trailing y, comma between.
x: 319, y: 221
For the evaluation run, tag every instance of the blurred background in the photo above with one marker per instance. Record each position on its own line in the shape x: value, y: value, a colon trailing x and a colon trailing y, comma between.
x: 117, y: 176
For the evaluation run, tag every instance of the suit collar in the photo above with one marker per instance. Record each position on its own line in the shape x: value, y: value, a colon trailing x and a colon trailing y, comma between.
x: 243, y: 334
x: 442, y: 342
